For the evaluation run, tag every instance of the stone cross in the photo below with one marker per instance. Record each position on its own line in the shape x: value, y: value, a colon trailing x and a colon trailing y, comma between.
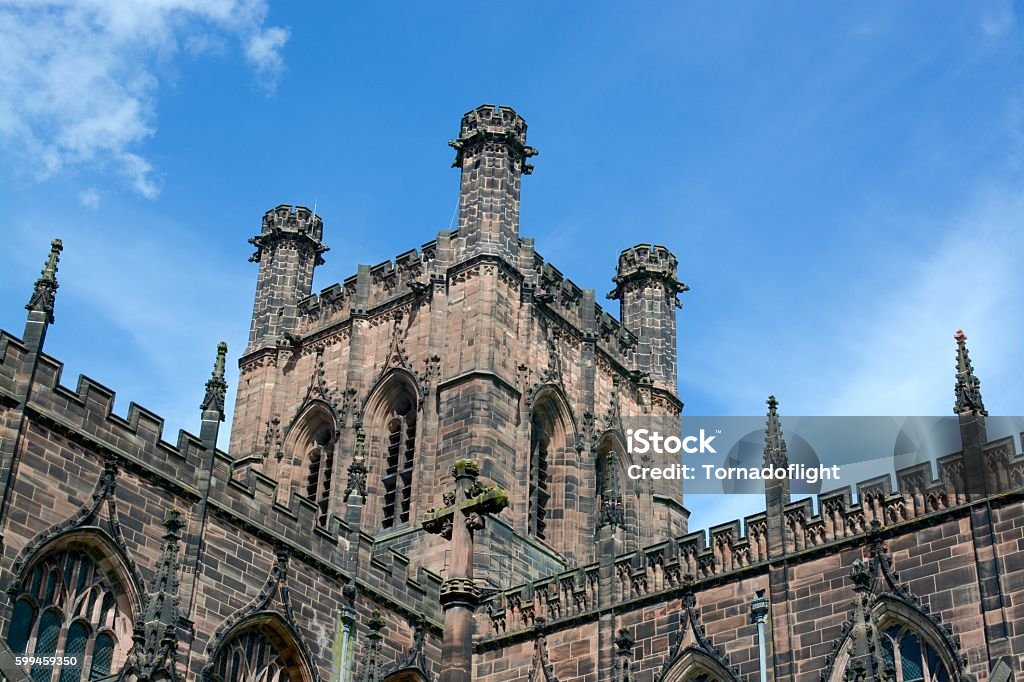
x: 464, y: 512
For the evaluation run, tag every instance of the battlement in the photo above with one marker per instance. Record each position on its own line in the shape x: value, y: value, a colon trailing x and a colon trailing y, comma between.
x: 493, y: 124
x: 647, y: 262
x: 654, y: 260
x: 488, y: 118
x: 241, y: 497
x: 389, y: 280
x: 737, y: 546
x: 295, y: 222
x: 298, y: 219
x: 565, y: 296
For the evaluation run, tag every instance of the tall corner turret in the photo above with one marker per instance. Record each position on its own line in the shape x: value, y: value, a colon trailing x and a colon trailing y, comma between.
x: 288, y: 249
x: 492, y: 152
x: 647, y: 290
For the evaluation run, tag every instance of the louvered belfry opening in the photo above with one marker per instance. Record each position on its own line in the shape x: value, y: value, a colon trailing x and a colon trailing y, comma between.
x: 540, y: 496
x: 400, y: 444
x: 320, y: 472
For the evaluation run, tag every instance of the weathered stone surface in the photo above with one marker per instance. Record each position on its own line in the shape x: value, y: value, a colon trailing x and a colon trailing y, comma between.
x: 354, y: 405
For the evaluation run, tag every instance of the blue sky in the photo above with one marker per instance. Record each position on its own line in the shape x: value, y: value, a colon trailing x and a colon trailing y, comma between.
x: 842, y: 183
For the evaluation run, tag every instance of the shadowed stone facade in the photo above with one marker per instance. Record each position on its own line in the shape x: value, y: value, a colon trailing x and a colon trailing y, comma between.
x: 426, y: 476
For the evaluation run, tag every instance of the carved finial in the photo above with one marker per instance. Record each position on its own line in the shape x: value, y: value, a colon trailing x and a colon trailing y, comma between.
x: 173, y: 524
x: 216, y: 386
x: 774, y: 443
x: 373, y: 668
x: 155, y: 636
x: 357, y: 470
x: 968, y: 386
x: 624, y: 642
x: 415, y: 658
x: 222, y: 352
x: 45, y: 291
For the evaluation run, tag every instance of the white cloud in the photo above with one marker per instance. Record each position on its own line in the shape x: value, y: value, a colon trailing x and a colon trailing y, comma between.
x: 901, y: 358
x: 886, y: 346
x: 264, y: 53
x: 90, y: 198
x: 79, y: 78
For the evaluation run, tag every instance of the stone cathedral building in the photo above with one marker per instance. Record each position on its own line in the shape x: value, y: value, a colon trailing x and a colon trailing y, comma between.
x: 426, y: 480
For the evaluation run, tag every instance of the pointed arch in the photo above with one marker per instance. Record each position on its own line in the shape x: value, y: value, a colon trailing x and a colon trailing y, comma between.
x: 551, y: 464
x: 76, y: 596
x: 694, y: 665
x: 891, y: 628
x: 262, y: 647
x: 390, y: 419
x: 311, y: 444
x: 904, y: 634
x: 413, y: 667
x: 272, y: 645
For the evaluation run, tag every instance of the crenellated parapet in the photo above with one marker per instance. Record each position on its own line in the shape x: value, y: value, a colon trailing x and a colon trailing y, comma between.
x: 86, y: 416
x: 409, y: 275
x: 729, y: 551
x: 294, y: 223
x: 564, y: 298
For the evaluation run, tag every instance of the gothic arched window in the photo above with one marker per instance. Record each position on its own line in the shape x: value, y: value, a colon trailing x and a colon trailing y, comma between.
x: 320, y: 470
x: 540, y: 495
x: 69, y: 607
x: 252, y: 657
x: 913, y: 659
x: 400, y: 455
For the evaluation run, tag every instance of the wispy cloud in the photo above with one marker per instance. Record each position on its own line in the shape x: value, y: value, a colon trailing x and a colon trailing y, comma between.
x: 887, y: 347
x: 264, y: 52
x: 90, y: 198
x: 902, y: 357
x: 158, y: 300
x: 997, y: 18
x: 79, y: 78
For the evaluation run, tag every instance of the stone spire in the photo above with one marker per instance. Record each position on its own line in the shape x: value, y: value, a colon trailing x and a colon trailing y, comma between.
x: 216, y: 386
x: 153, y: 655
x: 776, y: 490
x: 774, y: 444
x: 968, y: 386
x: 45, y: 292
